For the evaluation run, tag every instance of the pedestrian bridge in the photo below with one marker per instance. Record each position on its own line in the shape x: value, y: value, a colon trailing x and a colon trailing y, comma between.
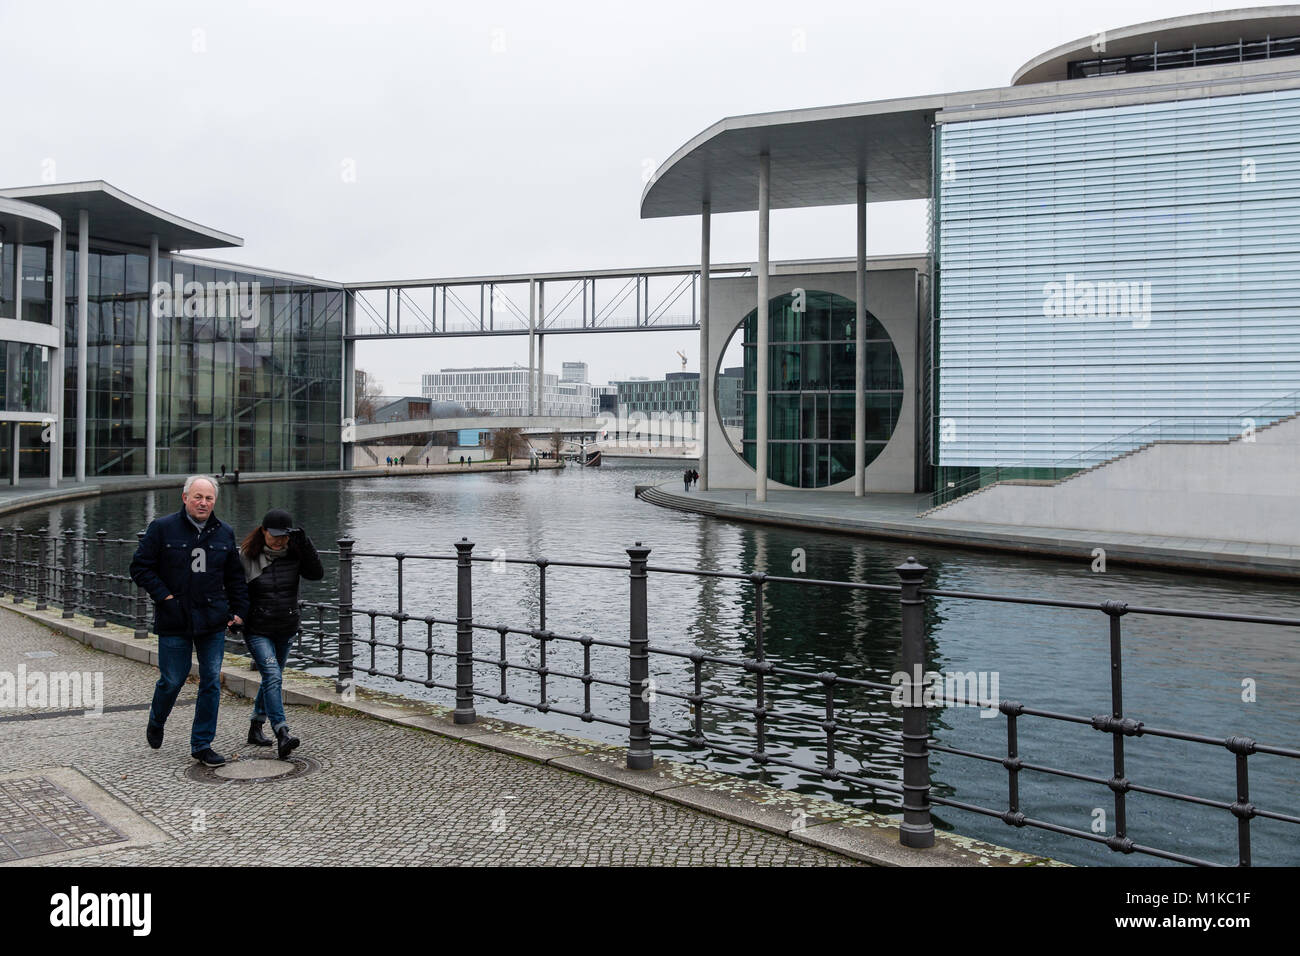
x: 599, y: 426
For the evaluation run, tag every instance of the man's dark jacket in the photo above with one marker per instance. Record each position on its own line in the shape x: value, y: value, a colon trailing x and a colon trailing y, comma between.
x: 273, y: 594
x: 200, y: 569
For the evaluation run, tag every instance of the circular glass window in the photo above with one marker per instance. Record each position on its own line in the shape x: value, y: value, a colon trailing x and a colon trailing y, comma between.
x: 812, y: 370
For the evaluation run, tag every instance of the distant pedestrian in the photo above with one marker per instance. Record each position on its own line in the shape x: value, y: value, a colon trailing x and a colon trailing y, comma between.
x: 686, y: 480
x: 462, y: 461
x: 426, y: 461
x: 389, y: 461
x: 695, y: 477
x: 403, y: 461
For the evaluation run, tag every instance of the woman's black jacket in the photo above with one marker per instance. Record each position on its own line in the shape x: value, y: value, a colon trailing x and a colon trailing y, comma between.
x: 273, y: 594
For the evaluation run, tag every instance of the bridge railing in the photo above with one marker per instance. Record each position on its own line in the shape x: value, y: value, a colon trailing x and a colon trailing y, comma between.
x: 413, y: 648
x: 87, y: 574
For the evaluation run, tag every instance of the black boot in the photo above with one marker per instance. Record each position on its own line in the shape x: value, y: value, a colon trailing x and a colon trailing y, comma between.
x: 285, y: 741
x: 255, y: 735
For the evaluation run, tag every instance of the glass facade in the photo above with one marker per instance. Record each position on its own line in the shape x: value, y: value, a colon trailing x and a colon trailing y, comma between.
x: 1103, y: 272
x: 260, y: 392
x: 812, y: 375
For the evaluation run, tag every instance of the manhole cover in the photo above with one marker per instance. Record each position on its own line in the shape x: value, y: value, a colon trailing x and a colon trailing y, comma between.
x: 38, y: 817
x: 253, y: 770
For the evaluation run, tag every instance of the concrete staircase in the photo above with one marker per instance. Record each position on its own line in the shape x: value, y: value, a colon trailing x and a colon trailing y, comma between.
x: 1103, y: 464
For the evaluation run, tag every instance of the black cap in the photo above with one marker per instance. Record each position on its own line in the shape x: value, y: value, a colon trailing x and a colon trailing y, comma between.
x: 277, y: 522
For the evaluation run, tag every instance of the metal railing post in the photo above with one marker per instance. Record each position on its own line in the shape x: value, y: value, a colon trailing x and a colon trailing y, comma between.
x: 640, y: 756
x: 141, y: 603
x: 101, y: 588
x: 18, y: 566
x: 464, y: 712
x: 916, y: 829
x: 69, y: 592
x: 345, y: 678
x: 41, y: 540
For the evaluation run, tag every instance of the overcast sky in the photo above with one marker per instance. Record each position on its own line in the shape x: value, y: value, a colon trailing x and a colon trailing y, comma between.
x: 483, y: 138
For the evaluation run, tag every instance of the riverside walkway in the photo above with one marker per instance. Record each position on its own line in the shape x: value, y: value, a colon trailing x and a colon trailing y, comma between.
x: 895, y: 517
x: 378, y: 781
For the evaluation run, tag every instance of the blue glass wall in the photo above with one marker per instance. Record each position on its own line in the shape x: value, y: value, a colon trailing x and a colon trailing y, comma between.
x: 1115, y: 272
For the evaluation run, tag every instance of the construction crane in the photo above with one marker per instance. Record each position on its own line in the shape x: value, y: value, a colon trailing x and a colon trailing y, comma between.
x: 683, y: 355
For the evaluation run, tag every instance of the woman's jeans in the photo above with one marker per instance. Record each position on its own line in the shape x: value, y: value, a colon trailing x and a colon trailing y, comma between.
x: 269, y: 654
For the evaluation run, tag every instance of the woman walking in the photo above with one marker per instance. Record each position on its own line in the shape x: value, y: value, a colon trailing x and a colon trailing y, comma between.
x: 276, y: 555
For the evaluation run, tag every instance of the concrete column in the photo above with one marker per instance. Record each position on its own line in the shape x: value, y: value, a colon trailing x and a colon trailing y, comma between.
x: 13, y: 449
x: 151, y: 399
x: 532, y: 345
x: 706, y: 368
x: 860, y: 354
x: 83, y: 320
x: 541, y: 348
x: 58, y: 313
x: 760, y: 423
x: 347, y: 458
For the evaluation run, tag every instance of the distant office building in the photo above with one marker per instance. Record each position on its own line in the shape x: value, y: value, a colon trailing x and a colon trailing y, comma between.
x: 604, y: 399
x: 504, y: 391
x: 731, y: 402
x: 402, y: 409
x: 675, y: 392
x: 573, y: 371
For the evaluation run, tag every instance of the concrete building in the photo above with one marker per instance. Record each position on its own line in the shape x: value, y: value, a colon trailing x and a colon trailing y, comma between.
x: 573, y: 371
x: 1112, y: 251
x: 500, y: 390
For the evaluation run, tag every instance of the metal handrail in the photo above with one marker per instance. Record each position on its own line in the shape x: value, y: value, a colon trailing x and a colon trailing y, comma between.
x: 81, y: 573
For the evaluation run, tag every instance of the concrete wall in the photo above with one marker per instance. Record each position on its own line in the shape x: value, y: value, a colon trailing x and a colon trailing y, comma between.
x: 891, y: 298
x: 1232, y: 491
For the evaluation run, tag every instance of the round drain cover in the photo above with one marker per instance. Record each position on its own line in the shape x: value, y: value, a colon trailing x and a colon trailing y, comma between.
x: 253, y: 769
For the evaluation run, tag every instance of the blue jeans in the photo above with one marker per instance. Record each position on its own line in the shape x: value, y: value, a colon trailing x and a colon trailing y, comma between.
x: 269, y: 654
x: 174, y: 658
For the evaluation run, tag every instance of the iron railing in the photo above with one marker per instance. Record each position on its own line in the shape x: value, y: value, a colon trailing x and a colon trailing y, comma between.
x: 72, y: 571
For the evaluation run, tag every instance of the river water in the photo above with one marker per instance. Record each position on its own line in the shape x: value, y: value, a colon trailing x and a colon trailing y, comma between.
x: 1202, y: 677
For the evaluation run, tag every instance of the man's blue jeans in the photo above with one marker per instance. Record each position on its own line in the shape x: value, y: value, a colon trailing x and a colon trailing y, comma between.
x: 174, y: 656
x: 269, y: 654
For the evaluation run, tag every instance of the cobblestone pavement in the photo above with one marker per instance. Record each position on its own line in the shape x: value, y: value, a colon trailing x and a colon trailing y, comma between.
x: 365, y: 792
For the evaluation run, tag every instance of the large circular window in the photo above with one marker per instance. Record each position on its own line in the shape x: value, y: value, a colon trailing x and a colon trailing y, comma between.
x: 812, y: 371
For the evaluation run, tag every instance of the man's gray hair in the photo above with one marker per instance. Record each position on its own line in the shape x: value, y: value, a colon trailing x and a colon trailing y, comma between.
x: 208, y: 478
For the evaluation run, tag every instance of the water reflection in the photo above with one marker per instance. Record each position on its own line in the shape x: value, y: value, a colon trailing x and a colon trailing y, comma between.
x: 1178, y: 673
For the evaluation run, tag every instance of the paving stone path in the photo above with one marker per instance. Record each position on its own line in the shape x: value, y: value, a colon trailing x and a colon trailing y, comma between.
x: 364, y: 792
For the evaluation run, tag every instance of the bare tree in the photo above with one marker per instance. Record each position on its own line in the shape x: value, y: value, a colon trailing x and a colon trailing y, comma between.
x: 557, y: 444
x: 507, y: 443
x: 367, y: 398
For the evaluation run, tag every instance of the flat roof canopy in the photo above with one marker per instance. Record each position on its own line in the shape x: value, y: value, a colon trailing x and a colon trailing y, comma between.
x: 817, y: 155
x: 1175, y: 33
x: 116, y: 216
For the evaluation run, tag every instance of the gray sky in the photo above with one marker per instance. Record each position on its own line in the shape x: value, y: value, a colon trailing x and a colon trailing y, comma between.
x: 485, y: 138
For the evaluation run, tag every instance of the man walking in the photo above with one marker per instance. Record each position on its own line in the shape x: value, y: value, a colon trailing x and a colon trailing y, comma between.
x: 189, y: 563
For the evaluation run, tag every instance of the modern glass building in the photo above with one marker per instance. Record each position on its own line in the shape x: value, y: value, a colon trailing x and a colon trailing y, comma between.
x: 1113, y: 257
x: 164, y: 363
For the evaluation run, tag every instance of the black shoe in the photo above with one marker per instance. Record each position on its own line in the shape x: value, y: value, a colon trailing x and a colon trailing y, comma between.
x: 154, y: 736
x: 209, y: 758
x: 255, y: 735
x: 286, y: 742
